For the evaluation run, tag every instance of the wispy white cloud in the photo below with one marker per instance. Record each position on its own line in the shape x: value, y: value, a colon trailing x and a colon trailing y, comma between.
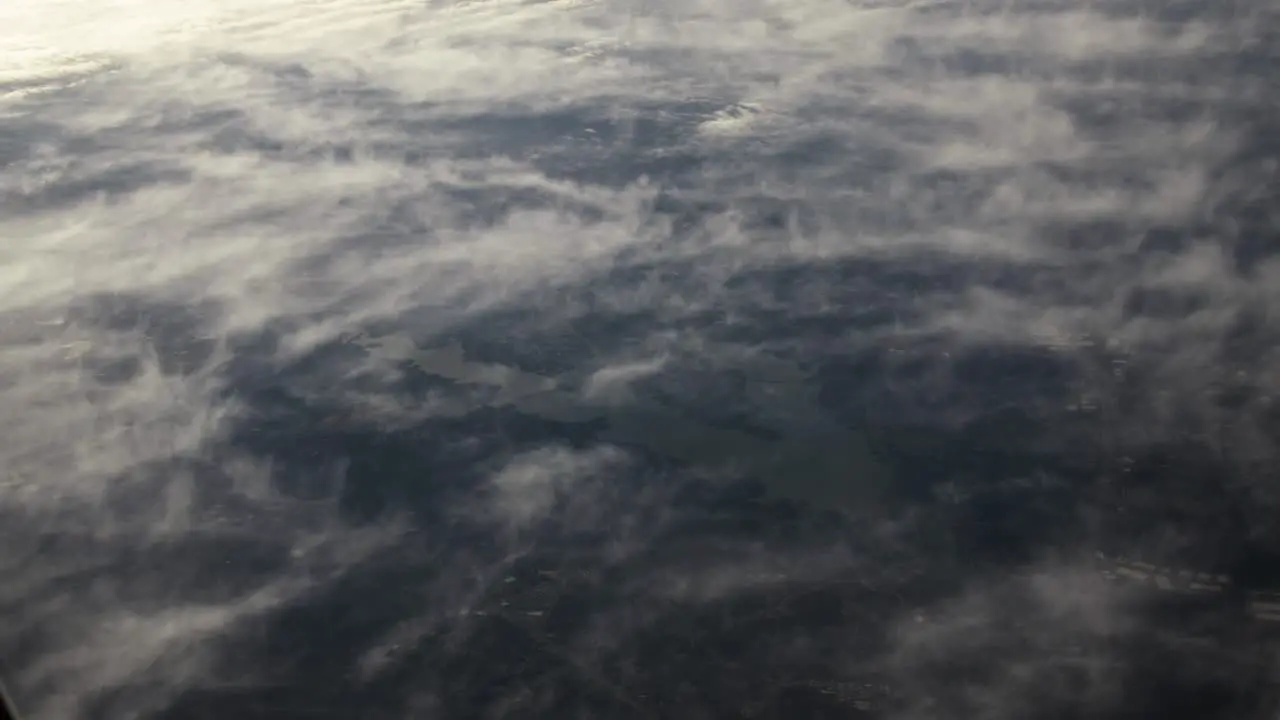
x: 611, y: 383
x: 532, y: 485
x: 304, y: 170
x: 1029, y: 643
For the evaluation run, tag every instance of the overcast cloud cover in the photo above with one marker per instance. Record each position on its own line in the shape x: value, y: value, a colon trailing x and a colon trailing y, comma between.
x: 208, y: 207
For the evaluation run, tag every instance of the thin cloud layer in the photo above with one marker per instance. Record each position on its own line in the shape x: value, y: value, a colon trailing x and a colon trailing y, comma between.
x: 235, y: 224
x: 530, y: 487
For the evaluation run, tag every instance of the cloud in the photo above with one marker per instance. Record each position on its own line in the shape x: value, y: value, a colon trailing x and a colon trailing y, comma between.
x: 527, y: 489
x: 610, y: 383
x: 1025, y: 644
x: 205, y: 202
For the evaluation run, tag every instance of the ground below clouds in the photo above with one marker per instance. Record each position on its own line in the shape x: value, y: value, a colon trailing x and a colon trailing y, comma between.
x: 609, y: 358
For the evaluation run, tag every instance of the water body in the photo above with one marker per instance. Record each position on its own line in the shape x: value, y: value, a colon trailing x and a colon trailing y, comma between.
x: 813, y: 461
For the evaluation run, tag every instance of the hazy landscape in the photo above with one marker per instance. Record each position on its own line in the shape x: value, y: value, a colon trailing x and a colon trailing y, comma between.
x: 640, y: 359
